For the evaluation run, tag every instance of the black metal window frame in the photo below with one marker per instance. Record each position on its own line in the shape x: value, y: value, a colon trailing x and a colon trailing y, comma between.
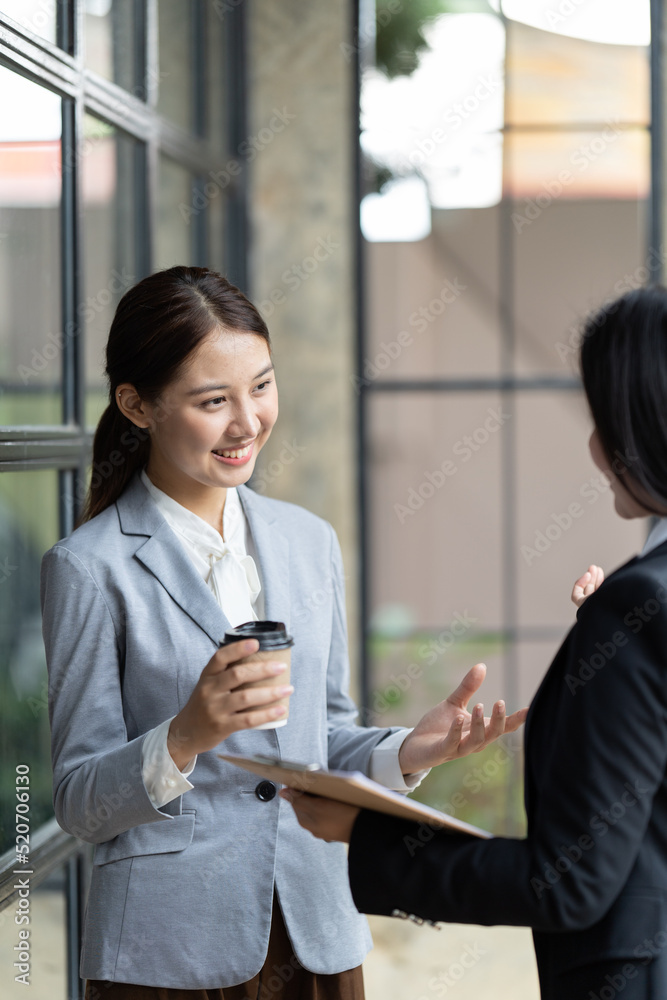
x: 66, y: 447
x: 507, y: 383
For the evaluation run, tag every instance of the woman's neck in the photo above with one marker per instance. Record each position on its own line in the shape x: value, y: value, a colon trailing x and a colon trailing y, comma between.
x: 207, y: 502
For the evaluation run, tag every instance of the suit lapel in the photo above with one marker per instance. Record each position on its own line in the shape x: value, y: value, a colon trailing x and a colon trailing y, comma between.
x: 272, y: 550
x: 168, y: 561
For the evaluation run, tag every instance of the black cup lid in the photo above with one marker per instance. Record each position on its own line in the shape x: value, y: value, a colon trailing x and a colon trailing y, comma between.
x: 270, y: 635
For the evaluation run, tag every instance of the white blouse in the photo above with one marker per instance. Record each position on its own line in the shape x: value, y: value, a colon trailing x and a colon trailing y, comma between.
x: 229, y: 567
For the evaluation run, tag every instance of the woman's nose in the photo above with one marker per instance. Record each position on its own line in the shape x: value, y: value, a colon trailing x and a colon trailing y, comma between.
x: 245, y: 422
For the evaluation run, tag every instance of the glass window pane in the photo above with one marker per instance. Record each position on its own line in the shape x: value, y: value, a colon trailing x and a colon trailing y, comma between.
x: 412, y: 673
x: 179, y: 212
x: 175, y: 55
x: 113, y: 42
x: 614, y: 22
x: 577, y: 241
x: 48, y: 945
x: 441, y: 123
x: 564, y: 509
x: 435, y: 514
x: 433, y: 305
x: 554, y: 79
x: 31, y: 338
x: 532, y: 659
x: 111, y: 219
x: 28, y: 527
x: 38, y: 16
x: 610, y: 163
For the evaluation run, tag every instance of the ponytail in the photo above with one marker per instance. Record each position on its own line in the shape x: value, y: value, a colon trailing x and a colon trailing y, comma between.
x: 119, y: 451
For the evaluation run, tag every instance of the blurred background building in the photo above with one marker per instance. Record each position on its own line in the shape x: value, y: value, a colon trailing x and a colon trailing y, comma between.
x: 425, y: 198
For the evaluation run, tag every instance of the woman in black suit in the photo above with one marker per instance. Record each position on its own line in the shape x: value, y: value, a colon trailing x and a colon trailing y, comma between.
x: 590, y: 877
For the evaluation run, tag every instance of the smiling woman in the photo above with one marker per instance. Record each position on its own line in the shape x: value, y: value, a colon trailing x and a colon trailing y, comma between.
x: 174, y: 550
x: 200, y: 437
x: 178, y: 339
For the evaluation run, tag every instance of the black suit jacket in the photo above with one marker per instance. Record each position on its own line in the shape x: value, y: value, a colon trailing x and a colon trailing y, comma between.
x: 591, y: 876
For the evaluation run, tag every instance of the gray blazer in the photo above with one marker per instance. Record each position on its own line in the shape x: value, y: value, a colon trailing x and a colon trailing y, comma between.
x: 181, y: 896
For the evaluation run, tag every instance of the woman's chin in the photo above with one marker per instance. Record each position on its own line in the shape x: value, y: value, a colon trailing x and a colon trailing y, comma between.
x: 628, y: 509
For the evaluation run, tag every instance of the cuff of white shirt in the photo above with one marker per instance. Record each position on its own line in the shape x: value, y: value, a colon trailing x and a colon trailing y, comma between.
x: 384, y: 766
x: 162, y: 778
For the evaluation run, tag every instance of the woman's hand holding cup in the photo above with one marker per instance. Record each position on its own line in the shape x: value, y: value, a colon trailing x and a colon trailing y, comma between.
x: 221, y: 704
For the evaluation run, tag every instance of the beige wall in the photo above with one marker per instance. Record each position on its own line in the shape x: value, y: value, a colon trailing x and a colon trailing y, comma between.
x: 301, y: 253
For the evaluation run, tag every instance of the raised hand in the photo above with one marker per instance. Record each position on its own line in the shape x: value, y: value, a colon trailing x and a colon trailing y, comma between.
x: 587, y: 584
x: 449, y: 731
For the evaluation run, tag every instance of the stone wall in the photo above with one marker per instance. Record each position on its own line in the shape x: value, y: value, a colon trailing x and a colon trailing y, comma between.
x: 300, y: 92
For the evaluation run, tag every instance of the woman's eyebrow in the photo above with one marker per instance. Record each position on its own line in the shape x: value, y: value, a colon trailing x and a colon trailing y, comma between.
x: 214, y: 388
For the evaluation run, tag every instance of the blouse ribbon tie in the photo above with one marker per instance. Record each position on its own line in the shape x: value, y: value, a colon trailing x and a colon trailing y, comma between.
x: 235, y: 584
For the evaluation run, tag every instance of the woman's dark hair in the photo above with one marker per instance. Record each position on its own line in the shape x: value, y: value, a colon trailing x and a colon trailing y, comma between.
x: 158, y: 323
x: 624, y: 370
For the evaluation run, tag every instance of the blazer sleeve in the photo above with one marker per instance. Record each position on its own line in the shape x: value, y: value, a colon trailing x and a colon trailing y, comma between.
x: 607, y: 724
x: 349, y: 746
x: 97, y: 793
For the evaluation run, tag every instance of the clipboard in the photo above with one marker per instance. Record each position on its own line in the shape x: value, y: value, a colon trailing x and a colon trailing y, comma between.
x: 352, y: 787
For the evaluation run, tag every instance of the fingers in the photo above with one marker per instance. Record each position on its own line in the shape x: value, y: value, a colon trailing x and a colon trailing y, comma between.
x: 595, y: 577
x: 515, y: 720
x: 247, y: 699
x: 225, y: 672
x: 222, y: 665
x: 324, y: 818
x: 291, y: 794
x: 252, y: 719
x: 587, y: 584
x: 249, y: 674
x: 468, y: 686
x: 452, y: 741
x: 485, y: 731
x: 477, y: 734
x: 578, y: 595
x: 305, y: 806
x: 497, y: 723
x: 457, y: 742
x: 229, y: 653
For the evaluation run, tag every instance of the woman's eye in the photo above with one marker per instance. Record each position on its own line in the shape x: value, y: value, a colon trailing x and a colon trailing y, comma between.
x: 263, y: 385
x: 215, y: 401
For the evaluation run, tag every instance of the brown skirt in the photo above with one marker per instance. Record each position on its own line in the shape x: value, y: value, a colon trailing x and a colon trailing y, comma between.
x: 282, y: 977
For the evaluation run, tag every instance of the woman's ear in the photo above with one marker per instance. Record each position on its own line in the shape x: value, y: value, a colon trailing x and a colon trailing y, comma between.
x: 132, y: 406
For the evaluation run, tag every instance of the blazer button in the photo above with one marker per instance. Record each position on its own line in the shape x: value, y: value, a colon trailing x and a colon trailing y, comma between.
x: 265, y: 791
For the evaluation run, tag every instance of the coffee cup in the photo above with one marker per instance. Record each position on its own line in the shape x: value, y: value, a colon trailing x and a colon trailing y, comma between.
x: 274, y: 645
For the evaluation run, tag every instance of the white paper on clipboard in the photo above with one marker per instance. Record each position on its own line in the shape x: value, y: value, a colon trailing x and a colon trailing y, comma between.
x: 351, y: 787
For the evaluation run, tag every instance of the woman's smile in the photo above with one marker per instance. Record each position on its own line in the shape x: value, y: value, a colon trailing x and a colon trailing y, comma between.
x: 235, y: 456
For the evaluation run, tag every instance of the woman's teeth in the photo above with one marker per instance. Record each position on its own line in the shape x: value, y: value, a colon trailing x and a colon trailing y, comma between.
x: 236, y: 453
